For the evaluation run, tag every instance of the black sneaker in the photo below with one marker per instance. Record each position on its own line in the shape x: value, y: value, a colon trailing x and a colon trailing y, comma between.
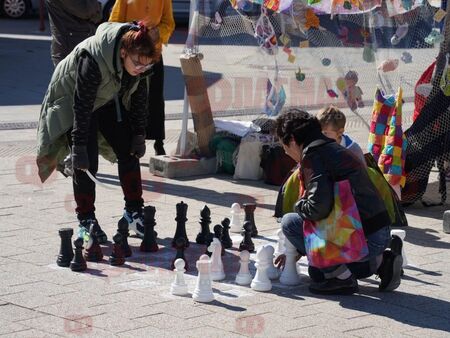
x: 315, y: 274
x: 390, y: 271
x: 335, y: 286
x: 84, y: 227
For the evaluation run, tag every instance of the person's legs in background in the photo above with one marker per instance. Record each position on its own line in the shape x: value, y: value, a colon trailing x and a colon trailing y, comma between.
x: 119, y: 136
x: 156, y: 109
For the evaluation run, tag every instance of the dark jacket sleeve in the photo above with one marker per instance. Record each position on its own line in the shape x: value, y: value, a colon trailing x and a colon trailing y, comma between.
x: 138, y: 110
x: 319, y: 198
x: 83, y: 9
x: 86, y: 86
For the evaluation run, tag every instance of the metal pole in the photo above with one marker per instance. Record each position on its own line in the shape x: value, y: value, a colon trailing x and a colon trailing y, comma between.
x: 41, y: 16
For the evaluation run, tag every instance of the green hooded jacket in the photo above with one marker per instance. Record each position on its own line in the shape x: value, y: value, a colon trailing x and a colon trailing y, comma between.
x: 57, y: 115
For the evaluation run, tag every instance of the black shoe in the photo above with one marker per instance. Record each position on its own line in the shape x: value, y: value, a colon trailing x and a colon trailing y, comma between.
x: 390, y: 271
x: 335, y: 286
x: 159, y: 147
x: 315, y: 274
x: 85, y: 225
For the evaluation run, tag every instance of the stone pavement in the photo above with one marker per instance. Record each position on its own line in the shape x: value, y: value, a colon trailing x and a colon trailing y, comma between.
x: 39, y: 299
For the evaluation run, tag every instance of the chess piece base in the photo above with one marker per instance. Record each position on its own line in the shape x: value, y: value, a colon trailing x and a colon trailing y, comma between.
x: 249, y: 248
x: 261, y: 286
x: 244, y: 279
x: 93, y: 254
x: 63, y: 261
x: 203, y: 296
x: 289, y: 278
x: 151, y: 248
x: 115, y: 261
x: 216, y: 276
x: 179, y: 290
x: 78, y: 267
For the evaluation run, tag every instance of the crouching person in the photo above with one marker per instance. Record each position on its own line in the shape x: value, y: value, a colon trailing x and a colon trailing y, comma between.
x: 97, y: 100
x: 324, y: 162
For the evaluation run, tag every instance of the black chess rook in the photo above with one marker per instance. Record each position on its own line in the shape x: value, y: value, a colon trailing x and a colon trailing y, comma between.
x: 93, y: 251
x: 180, y: 245
x: 247, y: 243
x: 181, y: 224
x: 78, y: 263
x: 249, y: 209
x: 226, y: 240
x: 205, y: 221
x: 117, y: 255
x: 122, y: 228
x: 148, y: 243
x: 65, y: 250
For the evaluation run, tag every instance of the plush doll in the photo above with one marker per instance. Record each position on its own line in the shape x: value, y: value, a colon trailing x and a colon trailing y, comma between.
x: 351, y: 92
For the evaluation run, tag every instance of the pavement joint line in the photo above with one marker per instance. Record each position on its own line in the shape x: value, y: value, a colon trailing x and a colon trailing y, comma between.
x: 359, y: 328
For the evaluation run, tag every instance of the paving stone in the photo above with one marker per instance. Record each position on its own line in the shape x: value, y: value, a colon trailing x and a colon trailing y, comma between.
x: 207, y: 331
x: 28, y: 299
x: 113, y: 322
x: 31, y: 333
x: 14, y: 313
x: 165, y: 321
x: 376, y: 332
x: 147, y: 331
x: 60, y: 326
x: 70, y: 308
x: 9, y: 328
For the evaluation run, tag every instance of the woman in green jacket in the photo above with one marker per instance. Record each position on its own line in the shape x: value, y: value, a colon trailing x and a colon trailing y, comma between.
x: 98, y: 93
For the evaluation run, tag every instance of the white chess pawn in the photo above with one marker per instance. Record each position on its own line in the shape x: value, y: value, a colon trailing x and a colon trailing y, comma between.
x: 280, y: 243
x: 217, y: 272
x: 401, y: 234
x: 272, y: 271
x: 179, y: 286
x: 203, y: 290
x: 289, y: 275
x: 261, y: 282
x: 235, y: 223
x: 244, y: 277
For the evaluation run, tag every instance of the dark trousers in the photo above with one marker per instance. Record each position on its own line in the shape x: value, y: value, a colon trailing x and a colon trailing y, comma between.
x: 118, y: 135
x: 156, y: 107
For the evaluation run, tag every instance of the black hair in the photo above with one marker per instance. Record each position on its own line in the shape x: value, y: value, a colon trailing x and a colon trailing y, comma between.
x: 297, y: 124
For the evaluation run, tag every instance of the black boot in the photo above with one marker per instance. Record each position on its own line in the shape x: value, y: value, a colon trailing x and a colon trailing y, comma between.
x: 159, y: 147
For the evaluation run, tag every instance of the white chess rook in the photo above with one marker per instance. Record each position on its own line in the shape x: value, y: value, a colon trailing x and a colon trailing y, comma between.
x: 179, y: 286
x: 235, y: 223
x: 289, y: 275
x: 203, y: 290
x: 261, y: 282
x: 272, y: 271
x: 244, y: 277
x: 217, y: 272
x: 402, y: 235
x: 280, y: 243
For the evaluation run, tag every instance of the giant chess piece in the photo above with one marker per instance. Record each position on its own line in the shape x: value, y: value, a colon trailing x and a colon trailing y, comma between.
x: 272, y: 271
x: 247, y: 243
x: 203, y: 289
x: 261, y: 282
x: 218, y: 233
x: 117, y: 255
x: 244, y: 277
x: 180, y: 245
x: 205, y: 221
x: 249, y: 209
x: 289, y: 275
x: 280, y: 243
x: 226, y: 240
x: 236, y: 224
x: 122, y: 228
x: 78, y: 263
x: 65, y: 250
x: 93, y: 250
x: 179, y: 286
x: 148, y: 243
x: 209, y: 240
x: 217, y: 272
x: 181, y: 224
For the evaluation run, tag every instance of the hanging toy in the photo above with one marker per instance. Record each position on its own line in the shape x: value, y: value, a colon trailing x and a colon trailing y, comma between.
x: 353, y: 93
x: 311, y: 19
x: 434, y: 37
x: 331, y: 93
x: 274, y: 101
x: 368, y: 53
x: 388, y: 65
x: 407, y: 4
x: 217, y: 23
x: 326, y: 62
x: 299, y: 75
x: 400, y: 33
x: 265, y: 35
x: 347, y: 5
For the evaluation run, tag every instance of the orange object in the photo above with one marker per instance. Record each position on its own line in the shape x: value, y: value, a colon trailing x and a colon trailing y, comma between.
x: 311, y: 19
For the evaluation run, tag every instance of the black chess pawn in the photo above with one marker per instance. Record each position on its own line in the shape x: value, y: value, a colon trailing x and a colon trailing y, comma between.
x: 208, y: 242
x: 148, y: 243
x: 218, y: 233
x: 117, y: 255
x: 180, y: 245
x: 78, y: 263
x: 247, y: 243
x: 227, y: 242
x: 249, y: 209
x: 93, y: 251
x: 122, y: 228
x: 181, y: 224
x: 65, y: 250
x: 205, y: 221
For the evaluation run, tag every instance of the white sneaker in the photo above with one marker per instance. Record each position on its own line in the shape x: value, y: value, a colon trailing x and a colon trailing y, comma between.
x: 135, y: 221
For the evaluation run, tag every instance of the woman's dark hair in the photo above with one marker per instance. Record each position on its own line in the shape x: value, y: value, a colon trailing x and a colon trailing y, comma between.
x: 298, y: 124
x: 141, y: 41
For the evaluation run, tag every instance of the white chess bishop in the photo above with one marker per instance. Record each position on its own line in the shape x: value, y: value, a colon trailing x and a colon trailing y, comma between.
x: 261, y: 282
x: 236, y: 223
x: 217, y: 272
x: 244, y: 277
x: 179, y: 286
x: 203, y: 290
x: 289, y: 275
